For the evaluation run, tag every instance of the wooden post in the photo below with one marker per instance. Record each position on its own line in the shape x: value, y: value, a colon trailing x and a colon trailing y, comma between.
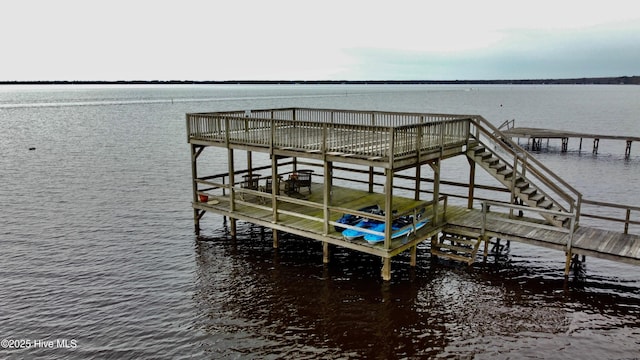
x: 472, y: 182
x: 234, y: 228
x: 325, y: 252
x: 275, y: 238
x: 388, y: 207
x: 232, y: 193
x: 626, y: 221
x: 232, y: 181
x: 419, y: 160
x: 328, y: 170
x: 436, y: 189
x: 572, y: 228
x: 194, y: 176
x: 386, y: 269
x: 416, y: 195
x: 414, y: 255
x: 580, y: 148
x: 486, y: 246
x: 275, y: 186
x: 567, y: 265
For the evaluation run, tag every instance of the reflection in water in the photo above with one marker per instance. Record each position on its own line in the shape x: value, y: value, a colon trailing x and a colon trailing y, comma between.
x: 256, y: 301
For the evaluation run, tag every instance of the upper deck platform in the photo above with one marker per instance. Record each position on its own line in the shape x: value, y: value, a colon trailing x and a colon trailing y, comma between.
x: 382, y: 138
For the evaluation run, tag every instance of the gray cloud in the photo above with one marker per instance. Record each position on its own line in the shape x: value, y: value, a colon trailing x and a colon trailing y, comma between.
x: 521, y: 54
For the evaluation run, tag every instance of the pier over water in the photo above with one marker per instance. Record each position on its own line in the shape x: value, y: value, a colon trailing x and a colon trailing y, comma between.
x: 535, y: 137
x: 328, y: 163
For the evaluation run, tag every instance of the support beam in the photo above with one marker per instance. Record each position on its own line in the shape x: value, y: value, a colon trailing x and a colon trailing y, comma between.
x: 275, y: 186
x: 436, y: 189
x: 485, y: 239
x: 325, y: 252
x: 328, y: 180
x: 388, y: 207
x: 472, y: 182
x: 386, y: 269
x: 232, y: 180
x: 416, y: 195
x: 567, y: 265
x: 434, y: 246
x: 234, y: 227
x: 194, y: 175
x: 275, y: 238
x: 414, y: 255
x: 196, y: 221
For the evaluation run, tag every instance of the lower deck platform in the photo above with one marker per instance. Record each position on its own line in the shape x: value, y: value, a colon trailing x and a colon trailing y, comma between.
x: 303, y: 214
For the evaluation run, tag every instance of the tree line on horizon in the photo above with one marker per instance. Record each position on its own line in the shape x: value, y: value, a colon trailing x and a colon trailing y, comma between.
x: 620, y: 80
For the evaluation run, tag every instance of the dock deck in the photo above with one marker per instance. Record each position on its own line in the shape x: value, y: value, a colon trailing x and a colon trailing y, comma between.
x: 534, y: 138
x: 588, y: 241
x: 376, y: 147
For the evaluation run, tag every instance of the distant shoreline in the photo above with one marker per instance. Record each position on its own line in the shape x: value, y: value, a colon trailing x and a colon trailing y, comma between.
x: 620, y: 80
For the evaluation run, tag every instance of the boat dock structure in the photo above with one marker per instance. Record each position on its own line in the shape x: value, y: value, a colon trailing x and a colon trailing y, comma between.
x: 535, y: 137
x: 303, y: 171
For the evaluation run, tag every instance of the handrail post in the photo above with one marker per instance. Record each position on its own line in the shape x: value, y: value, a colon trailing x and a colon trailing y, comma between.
x: 626, y: 221
x: 513, y: 180
x: 444, y: 211
x: 572, y: 228
x: 567, y: 266
x: 188, y: 118
x: 578, y: 208
x: 484, y: 219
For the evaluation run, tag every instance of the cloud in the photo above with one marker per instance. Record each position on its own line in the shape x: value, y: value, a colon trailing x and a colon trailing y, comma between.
x: 521, y: 53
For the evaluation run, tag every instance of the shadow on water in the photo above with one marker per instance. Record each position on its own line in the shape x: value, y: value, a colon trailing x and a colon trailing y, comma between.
x: 256, y: 301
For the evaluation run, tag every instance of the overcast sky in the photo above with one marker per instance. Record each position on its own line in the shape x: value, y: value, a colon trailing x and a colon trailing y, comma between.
x: 317, y: 40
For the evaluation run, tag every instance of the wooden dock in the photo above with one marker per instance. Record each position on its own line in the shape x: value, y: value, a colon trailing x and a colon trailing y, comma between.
x: 307, y: 146
x: 535, y: 137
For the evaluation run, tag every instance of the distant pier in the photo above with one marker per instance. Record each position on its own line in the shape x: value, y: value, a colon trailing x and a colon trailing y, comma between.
x: 535, y: 137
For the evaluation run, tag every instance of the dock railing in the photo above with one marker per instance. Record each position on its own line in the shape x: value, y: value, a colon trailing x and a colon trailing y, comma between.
x: 570, y: 231
x: 549, y: 183
x: 604, y: 210
x: 370, y: 134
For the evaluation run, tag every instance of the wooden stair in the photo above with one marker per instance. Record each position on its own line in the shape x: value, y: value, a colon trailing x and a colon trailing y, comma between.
x: 458, y: 247
x: 524, y: 189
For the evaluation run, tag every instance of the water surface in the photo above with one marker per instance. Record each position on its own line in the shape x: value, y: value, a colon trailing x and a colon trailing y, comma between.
x: 98, y: 241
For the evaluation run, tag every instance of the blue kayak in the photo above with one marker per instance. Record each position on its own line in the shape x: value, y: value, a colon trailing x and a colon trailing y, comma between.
x: 352, y: 220
x: 352, y: 234
x: 398, y: 224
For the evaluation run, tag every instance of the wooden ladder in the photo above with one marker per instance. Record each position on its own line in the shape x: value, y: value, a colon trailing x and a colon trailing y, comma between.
x: 457, y: 246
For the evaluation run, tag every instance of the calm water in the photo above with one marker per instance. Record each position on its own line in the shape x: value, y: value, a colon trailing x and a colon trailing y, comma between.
x: 98, y: 248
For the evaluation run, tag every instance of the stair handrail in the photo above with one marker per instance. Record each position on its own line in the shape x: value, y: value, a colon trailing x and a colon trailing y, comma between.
x: 525, y: 160
x: 507, y: 124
